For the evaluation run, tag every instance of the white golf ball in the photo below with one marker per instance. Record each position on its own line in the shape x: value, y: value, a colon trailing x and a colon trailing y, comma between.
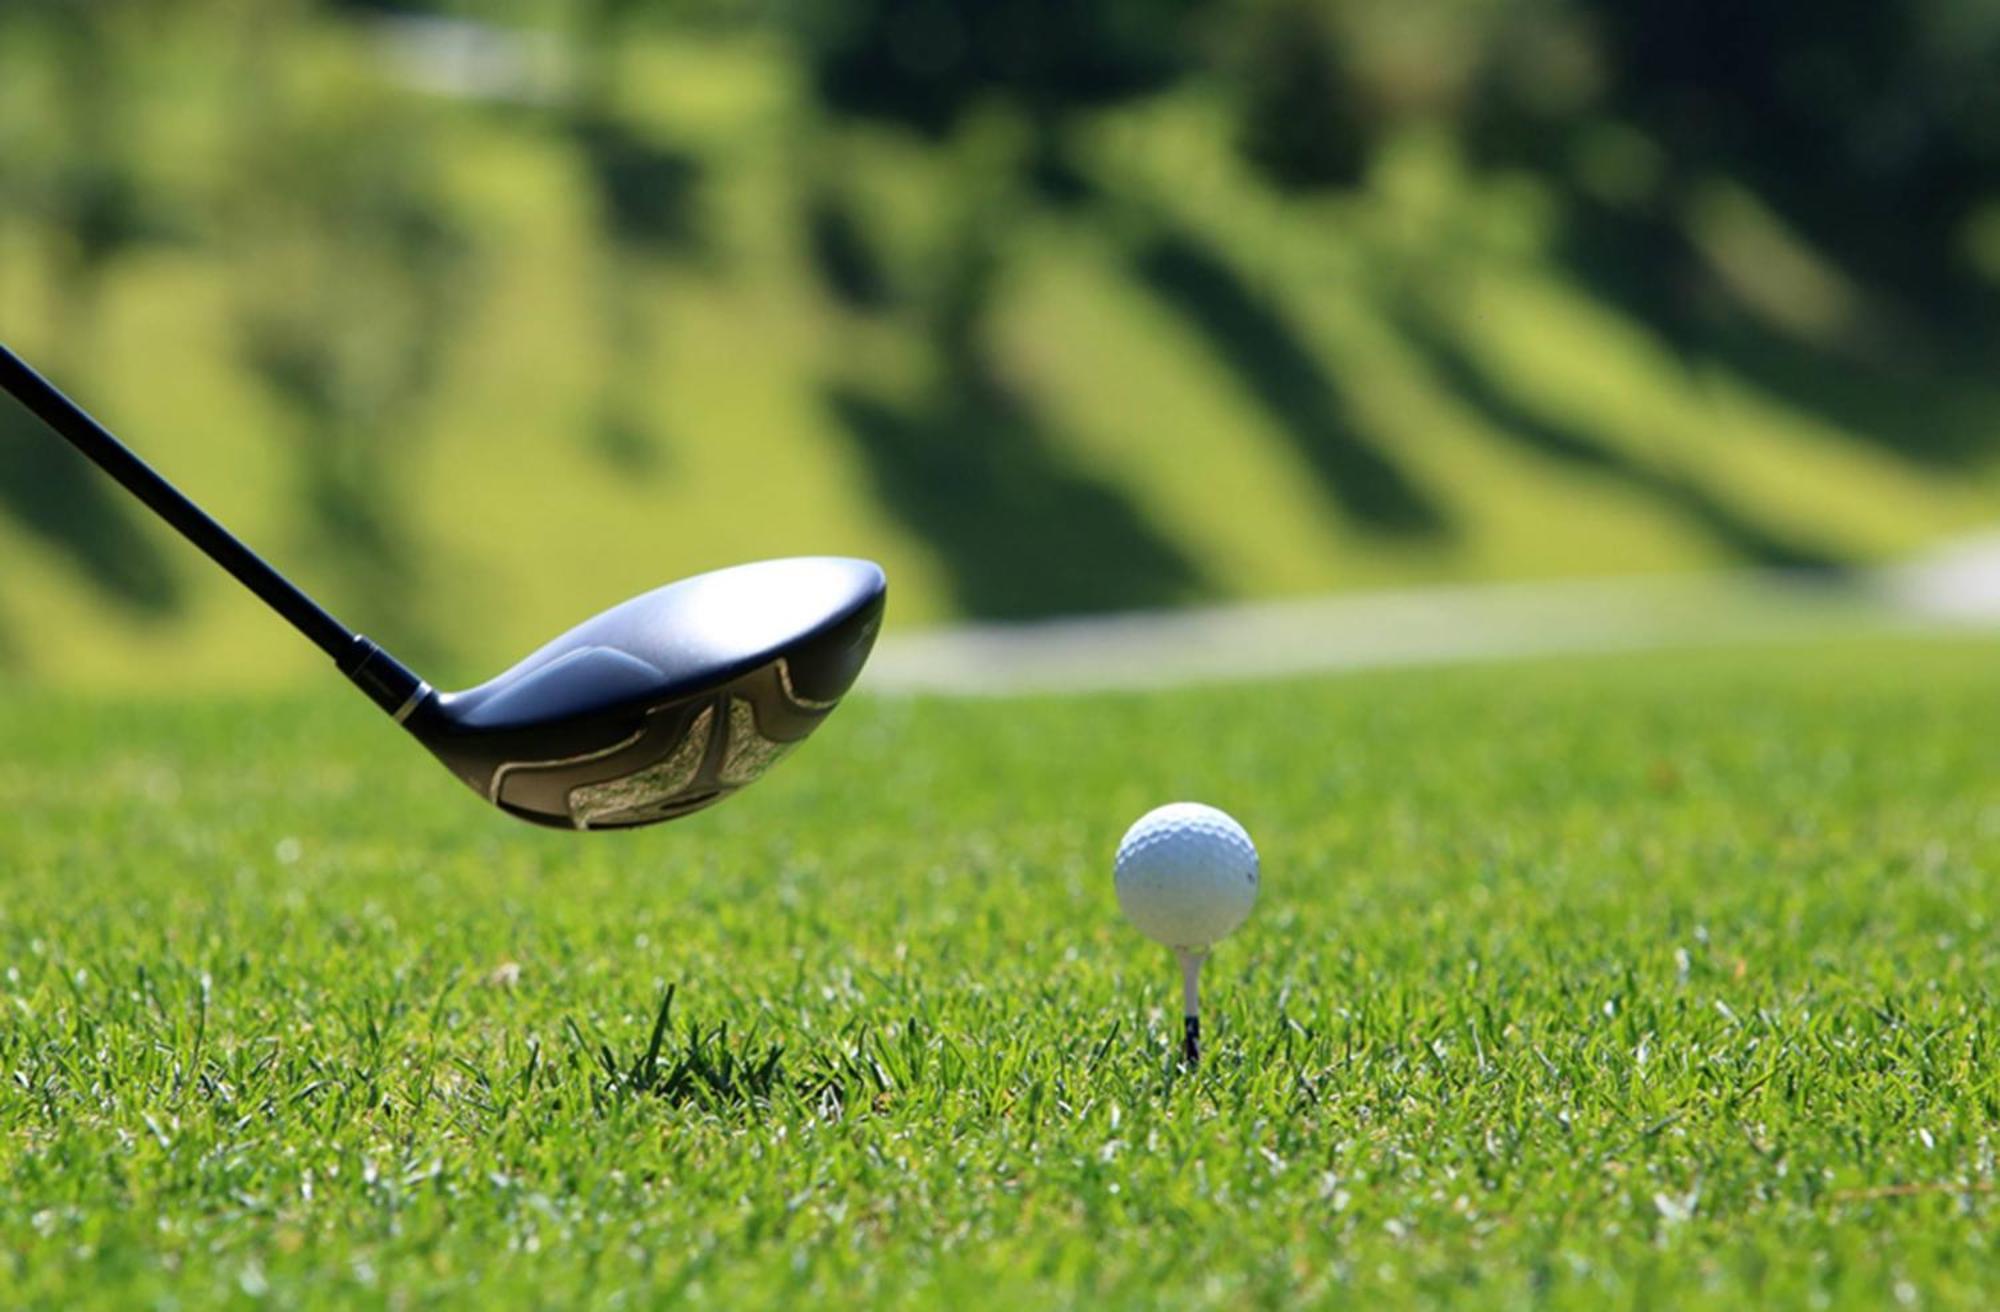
x: 1186, y: 875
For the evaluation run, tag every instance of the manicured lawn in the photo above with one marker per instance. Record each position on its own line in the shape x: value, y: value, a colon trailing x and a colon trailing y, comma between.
x: 1646, y: 981
x: 1210, y: 391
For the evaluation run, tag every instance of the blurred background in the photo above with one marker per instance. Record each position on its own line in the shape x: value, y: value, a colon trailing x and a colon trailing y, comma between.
x: 478, y: 317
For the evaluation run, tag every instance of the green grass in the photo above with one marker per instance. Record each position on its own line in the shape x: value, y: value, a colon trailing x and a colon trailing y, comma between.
x: 1643, y: 981
x: 518, y: 524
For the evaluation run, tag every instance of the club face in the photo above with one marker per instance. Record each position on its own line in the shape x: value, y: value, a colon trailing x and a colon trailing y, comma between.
x: 668, y: 703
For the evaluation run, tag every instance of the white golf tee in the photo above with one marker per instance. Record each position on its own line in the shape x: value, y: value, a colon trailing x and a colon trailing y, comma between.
x: 1191, y: 960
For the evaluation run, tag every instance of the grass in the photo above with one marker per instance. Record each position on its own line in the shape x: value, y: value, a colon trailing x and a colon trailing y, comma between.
x: 1638, y: 981
x: 1145, y: 422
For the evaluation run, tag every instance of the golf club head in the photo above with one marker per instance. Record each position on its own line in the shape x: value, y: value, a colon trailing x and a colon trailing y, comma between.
x: 666, y: 704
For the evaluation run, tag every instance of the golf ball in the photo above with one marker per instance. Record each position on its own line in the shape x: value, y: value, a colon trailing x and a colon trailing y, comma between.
x: 1186, y: 875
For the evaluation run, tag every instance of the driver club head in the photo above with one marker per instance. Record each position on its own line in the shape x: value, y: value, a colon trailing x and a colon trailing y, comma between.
x: 654, y: 709
x: 665, y: 704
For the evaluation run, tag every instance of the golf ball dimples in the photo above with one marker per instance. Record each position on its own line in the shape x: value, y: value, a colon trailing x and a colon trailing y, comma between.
x: 1186, y: 875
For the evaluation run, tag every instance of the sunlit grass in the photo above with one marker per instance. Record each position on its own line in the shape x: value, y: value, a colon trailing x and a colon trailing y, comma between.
x: 521, y: 524
x: 1642, y: 981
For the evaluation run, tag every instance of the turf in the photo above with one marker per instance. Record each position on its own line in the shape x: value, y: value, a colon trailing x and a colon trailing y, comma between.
x: 1210, y: 392
x: 1640, y: 981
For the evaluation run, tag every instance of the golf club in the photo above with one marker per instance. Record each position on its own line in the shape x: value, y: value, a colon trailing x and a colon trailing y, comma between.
x: 648, y: 712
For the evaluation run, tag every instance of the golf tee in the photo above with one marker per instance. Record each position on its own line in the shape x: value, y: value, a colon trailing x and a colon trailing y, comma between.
x: 1191, y: 1005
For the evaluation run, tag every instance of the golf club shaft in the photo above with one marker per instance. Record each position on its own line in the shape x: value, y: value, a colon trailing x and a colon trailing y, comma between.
x: 1191, y: 1040
x: 381, y: 677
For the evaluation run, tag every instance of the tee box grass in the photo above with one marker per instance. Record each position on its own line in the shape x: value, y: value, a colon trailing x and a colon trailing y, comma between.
x: 1634, y: 981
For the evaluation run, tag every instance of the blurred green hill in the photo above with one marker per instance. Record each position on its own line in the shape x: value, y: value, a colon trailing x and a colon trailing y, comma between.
x: 480, y: 319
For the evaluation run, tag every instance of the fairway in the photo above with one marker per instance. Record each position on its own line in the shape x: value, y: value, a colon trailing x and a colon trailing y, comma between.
x: 1659, y: 980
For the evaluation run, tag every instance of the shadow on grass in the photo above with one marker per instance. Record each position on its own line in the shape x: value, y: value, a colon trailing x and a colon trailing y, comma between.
x: 57, y: 495
x: 844, y: 252
x: 1940, y: 416
x: 702, y: 1068
x: 1933, y: 412
x: 863, y: 1069
x: 1253, y: 338
x: 647, y: 191
x: 1022, y: 532
x: 648, y: 203
x: 1732, y: 528
x: 709, y: 1069
x: 356, y: 526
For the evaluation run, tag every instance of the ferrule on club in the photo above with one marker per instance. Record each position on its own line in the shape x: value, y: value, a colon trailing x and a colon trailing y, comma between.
x: 389, y: 683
